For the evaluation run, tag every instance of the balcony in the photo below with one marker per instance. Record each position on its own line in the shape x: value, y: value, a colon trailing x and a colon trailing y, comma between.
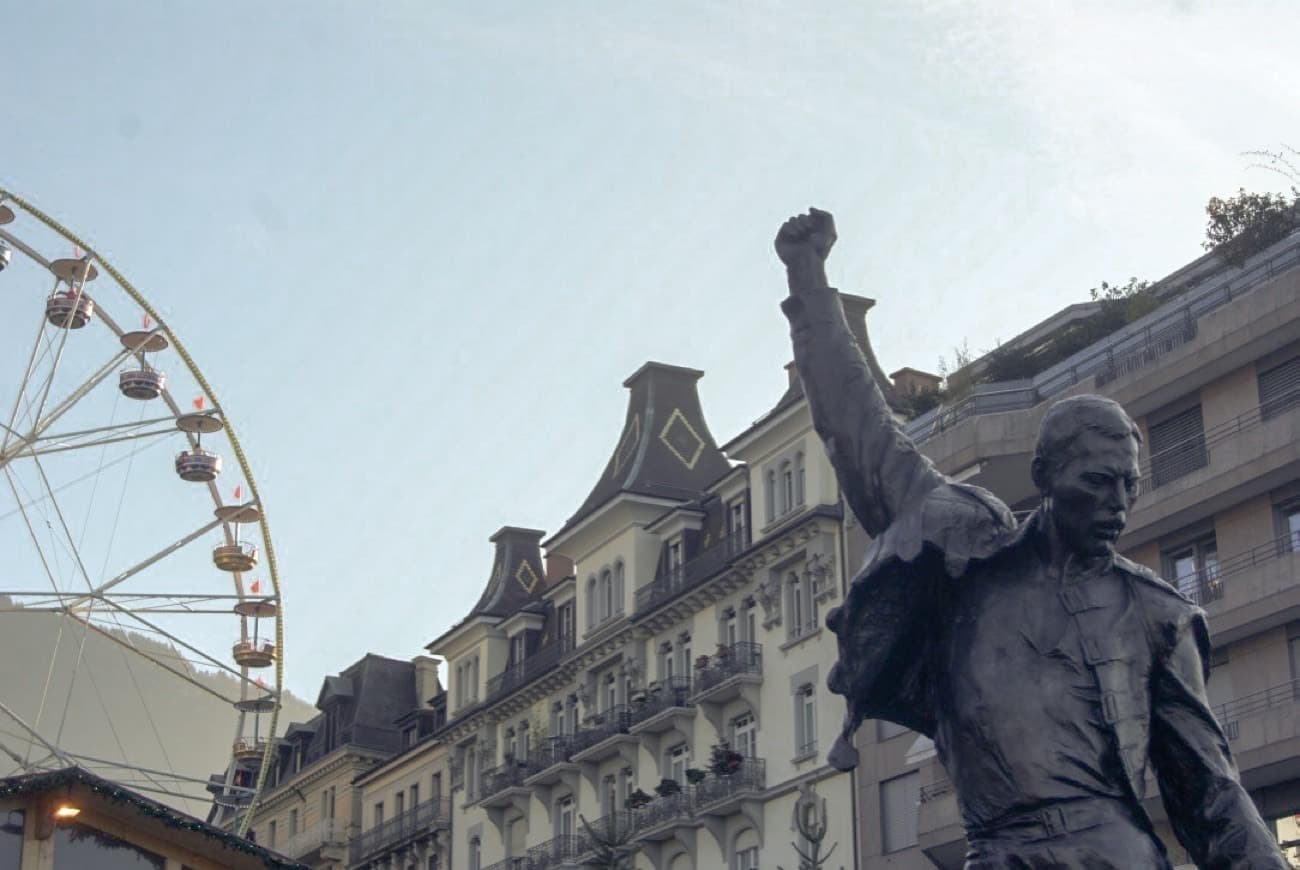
x: 421, y: 820
x: 548, y: 763
x: 616, y: 827
x: 310, y: 842
x: 667, y: 706
x: 719, y: 679
x: 523, y: 862
x: 561, y: 851
x: 723, y: 795
x: 663, y: 817
x: 542, y: 661
x: 1251, y: 591
x: 501, y: 785
x: 690, y: 574
x: 939, y: 831
x: 606, y: 737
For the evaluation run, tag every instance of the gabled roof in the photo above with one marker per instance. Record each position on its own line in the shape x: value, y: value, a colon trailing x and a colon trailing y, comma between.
x: 331, y: 688
x: 665, y: 448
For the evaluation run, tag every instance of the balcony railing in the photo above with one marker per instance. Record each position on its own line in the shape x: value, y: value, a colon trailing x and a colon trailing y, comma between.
x: 692, y: 573
x: 497, y: 779
x: 663, y: 695
x: 1257, y: 702
x: 523, y: 862
x: 327, y: 832
x: 739, y: 658
x: 543, y: 660
x: 430, y: 815
x: 563, y: 849
x: 603, y: 725
x: 666, y: 810
x: 935, y: 790
x: 554, y: 750
x: 750, y: 776
x: 1126, y: 350
x: 1194, y: 452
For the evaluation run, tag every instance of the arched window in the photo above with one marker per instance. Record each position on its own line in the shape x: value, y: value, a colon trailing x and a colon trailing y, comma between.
x: 475, y: 854
x: 771, y: 495
x: 606, y: 594
x: 618, y: 586
x: 787, y: 487
x: 800, y: 479
x: 591, y: 601
x: 795, y: 603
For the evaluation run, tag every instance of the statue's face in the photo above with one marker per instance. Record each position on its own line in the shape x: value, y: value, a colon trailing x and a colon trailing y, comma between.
x: 1092, y: 493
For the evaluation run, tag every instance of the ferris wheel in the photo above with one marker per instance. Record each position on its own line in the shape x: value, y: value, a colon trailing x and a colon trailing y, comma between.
x: 140, y: 619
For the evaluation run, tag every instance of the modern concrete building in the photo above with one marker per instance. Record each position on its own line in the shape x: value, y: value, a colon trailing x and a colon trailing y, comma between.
x: 1213, y: 379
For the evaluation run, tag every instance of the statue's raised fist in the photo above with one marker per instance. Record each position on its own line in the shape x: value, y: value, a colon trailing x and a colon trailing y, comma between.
x: 806, y: 236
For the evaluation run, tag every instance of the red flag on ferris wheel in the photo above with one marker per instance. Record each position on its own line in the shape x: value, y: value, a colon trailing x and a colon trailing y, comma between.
x: 239, y: 491
x: 146, y: 321
x: 255, y: 587
x: 198, y: 403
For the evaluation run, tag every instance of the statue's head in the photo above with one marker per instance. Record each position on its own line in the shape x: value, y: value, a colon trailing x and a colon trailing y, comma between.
x: 1086, y: 468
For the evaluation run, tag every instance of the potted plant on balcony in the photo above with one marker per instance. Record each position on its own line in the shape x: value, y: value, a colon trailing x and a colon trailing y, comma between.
x: 723, y: 760
x: 701, y: 662
x: 723, y: 653
x: 695, y: 776
x: 637, y: 799
x: 667, y: 787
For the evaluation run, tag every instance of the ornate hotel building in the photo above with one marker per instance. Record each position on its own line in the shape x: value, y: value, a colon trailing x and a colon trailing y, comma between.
x: 1213, y: 379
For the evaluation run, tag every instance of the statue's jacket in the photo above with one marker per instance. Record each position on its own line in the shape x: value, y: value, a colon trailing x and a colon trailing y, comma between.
x: 1146, y: 645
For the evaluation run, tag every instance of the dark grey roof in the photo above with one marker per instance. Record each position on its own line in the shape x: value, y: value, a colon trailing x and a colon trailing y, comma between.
x: 333, y: 687
x: 518, y: 575
x: 665, y: 448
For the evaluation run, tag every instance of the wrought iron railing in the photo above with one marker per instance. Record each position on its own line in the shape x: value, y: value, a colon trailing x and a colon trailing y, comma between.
x: 563, y: 849
x: 497, y: 779
x: 1257, y: 702
x: 692, y: 573
x: 739, y: 658
x: 542, y: 661
x: 935, y: 790
x: 749, y: 776
x: 667, y: 809
x: 614, y: 720
x: 429, y: 815
x: 552, y: 751
x: 662, y: 695
x: 326, y: 832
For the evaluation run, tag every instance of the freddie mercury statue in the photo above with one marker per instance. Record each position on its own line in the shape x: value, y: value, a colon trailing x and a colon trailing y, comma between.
x: 1050, y: 672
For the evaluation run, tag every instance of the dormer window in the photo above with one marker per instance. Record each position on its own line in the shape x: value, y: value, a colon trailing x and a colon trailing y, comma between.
x: 517, y: 649
x: 675, y: 559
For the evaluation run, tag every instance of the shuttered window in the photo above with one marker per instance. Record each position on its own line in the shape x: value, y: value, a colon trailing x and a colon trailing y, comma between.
x: 899, y: 799
x: 1279, y: 389
x: 1178, y: 447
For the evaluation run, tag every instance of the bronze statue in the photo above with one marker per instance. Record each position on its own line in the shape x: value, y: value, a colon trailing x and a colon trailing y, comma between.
x: 1050, y: 672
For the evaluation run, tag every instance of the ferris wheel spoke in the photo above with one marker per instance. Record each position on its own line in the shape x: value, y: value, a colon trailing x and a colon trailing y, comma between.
x: 97, y: 591
x: 215, y: 662
x: 100, y: 442
x: 103, y: 632
x: 77, y: 394
x: 33, y: 733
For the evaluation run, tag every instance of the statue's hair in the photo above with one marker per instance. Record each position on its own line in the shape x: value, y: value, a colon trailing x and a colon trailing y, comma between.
x: 1069, y: 418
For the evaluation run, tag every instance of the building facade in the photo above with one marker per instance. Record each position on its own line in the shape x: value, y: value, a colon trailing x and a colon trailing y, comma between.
x: 1213, y: 379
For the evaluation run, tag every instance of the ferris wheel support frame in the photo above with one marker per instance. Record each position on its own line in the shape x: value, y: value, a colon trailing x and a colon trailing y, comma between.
x: 271, y: 567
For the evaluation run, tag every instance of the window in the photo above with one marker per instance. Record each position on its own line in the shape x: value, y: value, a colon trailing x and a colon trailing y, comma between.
x: 517, y: 649
x: 399, y: 804
x: 611, y: 692
x: 1178, y: 446
x: 1288, y: 516
x: 751, y: 621
x: 327, y: 803
x: 511, y: 748
x: 730, y: 627
x: 415, y: 796
x: 674, y: 561
x: 771, y: 495
x: 523, y: 740
x: 609, y: 795
x: 475, y: 854
x: 436, y: 791
x: 805, y: 721
x: 573, y: 714
x: 606, y: 595
x: 737, y: 538
x: 744, y: 735
x: 557, y: 719
x: 566, y: 621
x: 1279, y: 389
x: 564, y: 826
x: 665, y: 660
x: 678, y: 760
x: 899, y: 799
x: 618, y: 587
x: 787, y: 502
x: 747, y: 859
x: 270, y: 835
x: 1194, y: 570
x: 293, y: 822
x: 379, y: 814
x: 683, y: 655
x: 800, y: 479
x: 795, y: 605
x: 591, y: 601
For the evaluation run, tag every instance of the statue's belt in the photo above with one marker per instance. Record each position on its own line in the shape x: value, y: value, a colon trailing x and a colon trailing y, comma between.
x: 1056, y: 820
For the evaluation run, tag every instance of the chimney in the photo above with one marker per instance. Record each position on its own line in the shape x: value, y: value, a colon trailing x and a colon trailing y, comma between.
x: 427, y: 685
x: 855, y: 313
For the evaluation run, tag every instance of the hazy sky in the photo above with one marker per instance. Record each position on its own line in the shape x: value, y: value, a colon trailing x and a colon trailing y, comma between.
x: 417, y: 247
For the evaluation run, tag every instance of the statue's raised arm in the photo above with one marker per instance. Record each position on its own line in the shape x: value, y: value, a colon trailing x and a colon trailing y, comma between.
x: 879, y: 468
